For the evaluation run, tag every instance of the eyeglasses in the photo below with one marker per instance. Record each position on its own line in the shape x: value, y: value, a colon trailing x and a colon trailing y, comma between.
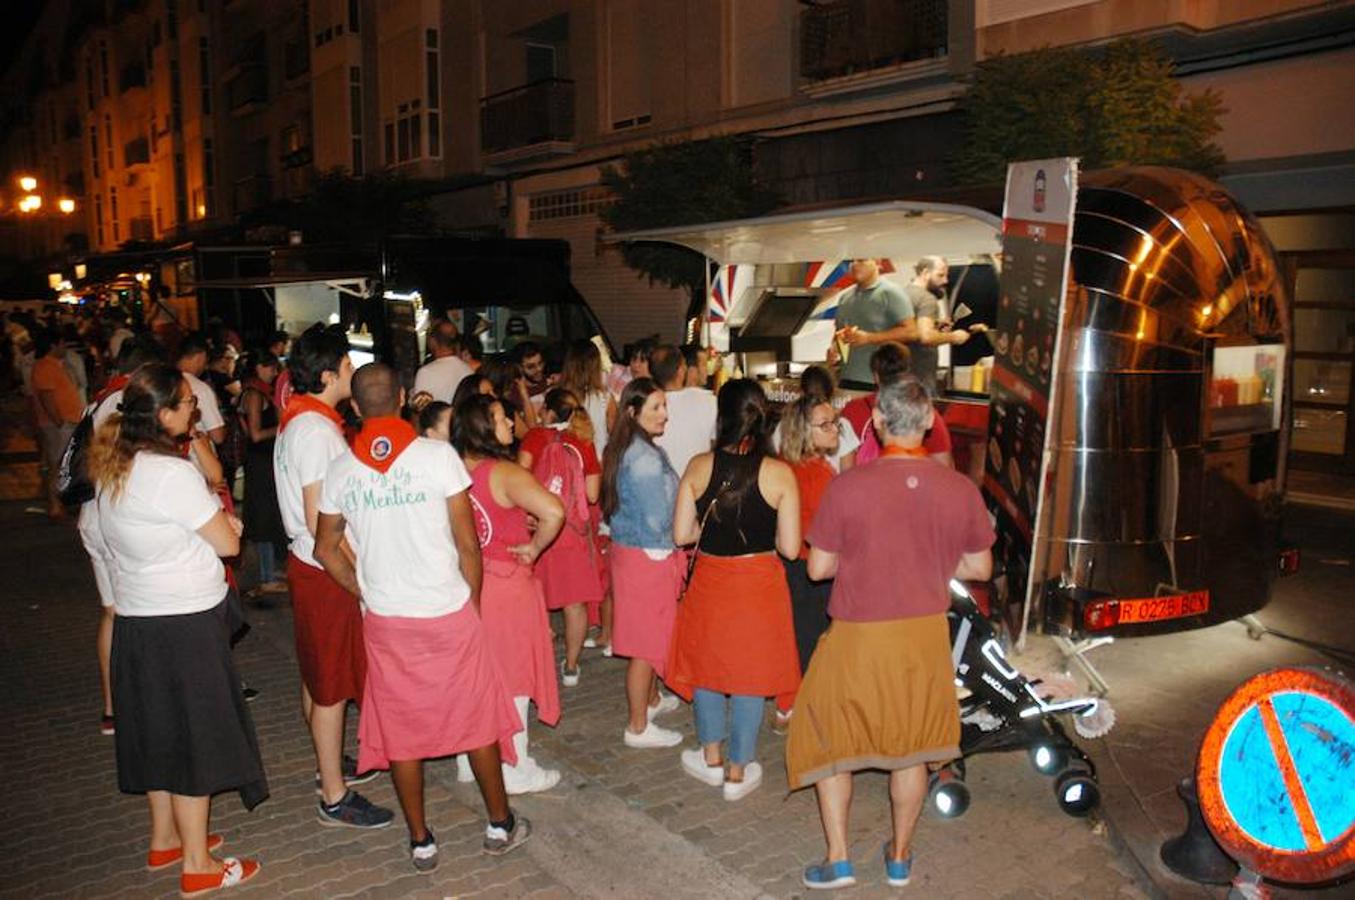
x: 191, y: 399
x: 830, y: 425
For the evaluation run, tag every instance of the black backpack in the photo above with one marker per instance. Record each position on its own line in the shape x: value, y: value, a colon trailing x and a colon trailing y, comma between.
x: 74, y: 487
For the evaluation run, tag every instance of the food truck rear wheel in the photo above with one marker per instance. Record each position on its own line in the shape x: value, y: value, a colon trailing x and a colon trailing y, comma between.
x: 1077, y: 792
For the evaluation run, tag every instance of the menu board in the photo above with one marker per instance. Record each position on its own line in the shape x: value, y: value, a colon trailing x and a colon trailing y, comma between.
x: 1037, y: 225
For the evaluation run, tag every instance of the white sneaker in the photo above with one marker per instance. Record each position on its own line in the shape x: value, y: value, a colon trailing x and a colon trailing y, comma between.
x: 463, y: 773
x: 607, y: 651
x: 568, y: 678
x: 752, y: 777
x: 694, y: 764
x: 667, y: 703
x: 529, y: 779
x: 653, y: 736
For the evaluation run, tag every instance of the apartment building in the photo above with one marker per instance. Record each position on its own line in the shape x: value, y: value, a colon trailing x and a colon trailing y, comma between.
x: 165, y: 119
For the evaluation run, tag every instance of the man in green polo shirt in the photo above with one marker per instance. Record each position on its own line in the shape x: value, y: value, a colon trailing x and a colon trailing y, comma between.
x: 871, y: 313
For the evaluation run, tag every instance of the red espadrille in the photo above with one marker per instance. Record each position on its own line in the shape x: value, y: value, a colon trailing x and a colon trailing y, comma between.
x: 234, y: 871
x: 163, y: 859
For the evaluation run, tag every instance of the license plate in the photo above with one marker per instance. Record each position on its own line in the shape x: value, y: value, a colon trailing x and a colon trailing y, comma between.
x: 1155, y: 609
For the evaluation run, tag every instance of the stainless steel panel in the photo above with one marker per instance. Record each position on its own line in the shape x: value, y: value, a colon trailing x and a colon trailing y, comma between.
x: 1128, y: 496
x: 1164, y: 265
x: 1153, y: 412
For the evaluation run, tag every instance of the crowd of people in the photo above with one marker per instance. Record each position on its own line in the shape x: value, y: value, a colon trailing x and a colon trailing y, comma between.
x: 732, y: 553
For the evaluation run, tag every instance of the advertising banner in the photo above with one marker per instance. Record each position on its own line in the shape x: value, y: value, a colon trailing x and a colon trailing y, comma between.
x: 1037, y: 225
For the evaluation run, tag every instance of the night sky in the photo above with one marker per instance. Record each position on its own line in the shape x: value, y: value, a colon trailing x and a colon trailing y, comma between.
x: 19, y: 16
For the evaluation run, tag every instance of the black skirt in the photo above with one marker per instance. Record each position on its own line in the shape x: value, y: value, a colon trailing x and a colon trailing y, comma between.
x: 262, y: 517
x: 183, y: 725
x: 808, y: 606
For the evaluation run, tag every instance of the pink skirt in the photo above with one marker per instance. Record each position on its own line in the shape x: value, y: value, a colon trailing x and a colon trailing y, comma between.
x: 517, y: 635
x: 568, y: 571
x: 431, y: 691
x: 645, y: 597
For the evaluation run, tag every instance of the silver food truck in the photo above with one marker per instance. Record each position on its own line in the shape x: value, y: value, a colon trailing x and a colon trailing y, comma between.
x: 1159, y: 487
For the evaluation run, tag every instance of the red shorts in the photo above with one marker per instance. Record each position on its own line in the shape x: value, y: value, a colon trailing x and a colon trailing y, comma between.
x: 328, y: 625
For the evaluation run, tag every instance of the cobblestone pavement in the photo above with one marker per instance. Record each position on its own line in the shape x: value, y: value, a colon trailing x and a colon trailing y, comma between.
x: 624, y: 823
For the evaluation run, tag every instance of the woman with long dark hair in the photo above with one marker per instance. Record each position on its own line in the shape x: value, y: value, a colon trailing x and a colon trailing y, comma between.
x: 510, y: 386
x: 734, y: 640
x: 263, y: 519
x: 183, y: 730
x: 639, y: 489
x: 512, y: 602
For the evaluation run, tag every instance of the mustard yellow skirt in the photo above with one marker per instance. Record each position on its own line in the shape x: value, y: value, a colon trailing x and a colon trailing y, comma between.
x: 878, y: 695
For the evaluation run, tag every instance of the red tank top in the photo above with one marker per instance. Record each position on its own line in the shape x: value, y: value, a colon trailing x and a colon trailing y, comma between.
x: 497, y: 527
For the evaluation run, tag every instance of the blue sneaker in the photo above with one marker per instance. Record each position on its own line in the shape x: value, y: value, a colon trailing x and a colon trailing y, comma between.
x: 829, y: 875
x: 897, y: 872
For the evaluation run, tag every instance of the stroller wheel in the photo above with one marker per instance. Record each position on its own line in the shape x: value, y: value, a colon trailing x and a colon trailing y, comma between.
x: 949, y: 797
x: 1047, y: 758
x: 1077, y: 792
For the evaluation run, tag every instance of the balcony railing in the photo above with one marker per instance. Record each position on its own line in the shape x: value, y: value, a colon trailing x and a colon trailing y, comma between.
x: 844, y: 37
x: 136, y: 152
x: 538, y: 113
x: 142, y: 228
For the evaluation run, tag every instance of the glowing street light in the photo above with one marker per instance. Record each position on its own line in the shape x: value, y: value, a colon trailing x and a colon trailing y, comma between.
x: 66, y: 205
x: 31, y: 203
x: 28, y: 183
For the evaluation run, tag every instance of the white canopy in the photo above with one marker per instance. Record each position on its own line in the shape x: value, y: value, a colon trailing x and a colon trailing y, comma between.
x: 897, y: 230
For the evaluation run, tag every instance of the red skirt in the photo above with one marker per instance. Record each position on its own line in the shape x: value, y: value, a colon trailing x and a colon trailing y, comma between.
x: 735, y: 633
x: 517, y: 635
x: 328, y: 627
x: 644, y: 603
x: 432, y: 691
x: 568, y: 571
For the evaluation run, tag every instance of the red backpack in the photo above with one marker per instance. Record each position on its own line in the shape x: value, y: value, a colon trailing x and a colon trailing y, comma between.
x: 559, y: 467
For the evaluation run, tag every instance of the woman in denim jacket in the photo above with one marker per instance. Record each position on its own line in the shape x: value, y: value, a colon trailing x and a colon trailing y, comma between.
x: 639, y: 492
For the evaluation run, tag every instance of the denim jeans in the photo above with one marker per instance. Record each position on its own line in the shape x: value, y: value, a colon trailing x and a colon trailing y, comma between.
x: 267, y: 561
x: 713, y: 714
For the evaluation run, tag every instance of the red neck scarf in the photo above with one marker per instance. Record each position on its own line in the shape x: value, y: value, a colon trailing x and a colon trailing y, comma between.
x: 381, y: 441
x: 115, y: 384
x: 903, y: 452
x: 304, y: 403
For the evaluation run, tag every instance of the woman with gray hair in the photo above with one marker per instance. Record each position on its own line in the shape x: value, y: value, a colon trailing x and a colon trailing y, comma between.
x: 878, y: 693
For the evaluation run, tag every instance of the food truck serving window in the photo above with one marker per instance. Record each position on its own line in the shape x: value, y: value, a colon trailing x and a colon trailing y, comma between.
x: 780, y: 314
x: 1245, y: 388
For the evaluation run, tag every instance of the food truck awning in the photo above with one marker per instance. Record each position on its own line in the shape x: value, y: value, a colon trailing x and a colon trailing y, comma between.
x: 359, y: 285
x: 896, y: 230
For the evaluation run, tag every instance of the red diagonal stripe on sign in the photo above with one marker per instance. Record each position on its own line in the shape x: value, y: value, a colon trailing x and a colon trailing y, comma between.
x: 1297, y: 795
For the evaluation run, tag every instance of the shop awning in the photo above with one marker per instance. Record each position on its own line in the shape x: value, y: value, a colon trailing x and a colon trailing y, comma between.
x: 899, y: 230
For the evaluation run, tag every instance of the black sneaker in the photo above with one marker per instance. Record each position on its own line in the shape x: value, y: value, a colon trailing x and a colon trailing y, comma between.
x: 499, y: 841
x: 354, y: 811
x: 352, y: 777
x: 424, y: 854
x: 250, y: 694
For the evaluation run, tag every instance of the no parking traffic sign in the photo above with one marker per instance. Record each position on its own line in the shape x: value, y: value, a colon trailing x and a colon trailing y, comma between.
x: 1276, y: 775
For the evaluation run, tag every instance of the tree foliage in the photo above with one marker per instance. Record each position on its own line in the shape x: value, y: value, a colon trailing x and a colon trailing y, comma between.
x: 341, y: 208
x: 681, y: 184
x: 1119, y: 105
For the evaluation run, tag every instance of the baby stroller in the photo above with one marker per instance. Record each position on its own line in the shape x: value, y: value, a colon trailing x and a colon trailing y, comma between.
x: 1002, y: 710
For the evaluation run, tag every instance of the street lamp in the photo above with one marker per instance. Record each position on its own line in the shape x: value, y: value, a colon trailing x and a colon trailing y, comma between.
x: 66, y: 205
x: 30, y: 203
x: 28, y: 183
